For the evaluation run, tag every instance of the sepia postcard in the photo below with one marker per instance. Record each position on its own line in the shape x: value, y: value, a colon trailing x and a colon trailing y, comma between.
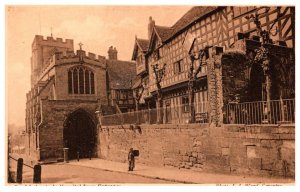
x: 110, y: 95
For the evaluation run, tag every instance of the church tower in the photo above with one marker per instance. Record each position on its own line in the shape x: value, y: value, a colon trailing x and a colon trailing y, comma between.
x: 42, y: 50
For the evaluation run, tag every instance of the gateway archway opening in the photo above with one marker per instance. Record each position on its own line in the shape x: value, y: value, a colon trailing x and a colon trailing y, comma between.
x: 80, y: 134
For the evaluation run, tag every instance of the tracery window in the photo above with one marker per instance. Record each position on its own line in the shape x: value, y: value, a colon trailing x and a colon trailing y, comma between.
x: 81, y: 81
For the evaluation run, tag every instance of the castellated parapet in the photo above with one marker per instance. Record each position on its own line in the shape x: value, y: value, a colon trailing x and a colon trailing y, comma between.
x: 66, y: 55
x: 39, y: 39
x: 70, y: 57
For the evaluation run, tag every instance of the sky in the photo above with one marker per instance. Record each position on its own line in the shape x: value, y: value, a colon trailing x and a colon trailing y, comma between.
x: 97, y: 27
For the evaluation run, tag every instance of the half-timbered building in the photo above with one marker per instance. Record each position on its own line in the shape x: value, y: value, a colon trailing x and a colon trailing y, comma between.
x: 222, y: 28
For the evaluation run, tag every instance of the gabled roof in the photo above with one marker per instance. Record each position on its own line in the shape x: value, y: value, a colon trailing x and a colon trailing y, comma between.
x: 142, y: 44
x: 167, y: 33
x: 120, y: 74
x: 163, y: 32
x: 194, y: 14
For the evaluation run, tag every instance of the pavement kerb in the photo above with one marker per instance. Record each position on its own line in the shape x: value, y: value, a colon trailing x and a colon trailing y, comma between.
x: 146, y: 176
x: 183, y: 180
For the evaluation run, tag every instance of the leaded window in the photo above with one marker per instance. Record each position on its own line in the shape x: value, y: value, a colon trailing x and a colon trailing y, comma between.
x: 185, y: 104
x: 81, y: 81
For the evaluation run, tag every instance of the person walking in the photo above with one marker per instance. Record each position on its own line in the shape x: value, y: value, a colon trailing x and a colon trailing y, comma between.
x: 131, y: 159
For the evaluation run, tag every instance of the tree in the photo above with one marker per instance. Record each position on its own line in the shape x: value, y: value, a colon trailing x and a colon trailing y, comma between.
x: 193, y: 72
x: 159, y: 74
x: 137, y: 94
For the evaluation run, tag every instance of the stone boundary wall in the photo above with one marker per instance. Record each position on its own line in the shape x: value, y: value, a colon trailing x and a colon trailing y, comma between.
x: 267, y: 150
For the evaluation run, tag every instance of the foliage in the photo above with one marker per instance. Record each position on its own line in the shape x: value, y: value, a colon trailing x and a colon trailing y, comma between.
x: 262, y: 57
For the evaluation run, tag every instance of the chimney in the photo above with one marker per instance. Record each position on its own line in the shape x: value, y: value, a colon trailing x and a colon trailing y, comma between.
x: 112, y: 53
x: 115, y: 54
x: 150, y: 26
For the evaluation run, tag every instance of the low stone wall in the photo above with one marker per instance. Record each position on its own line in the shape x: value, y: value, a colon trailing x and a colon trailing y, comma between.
x: 238, y: 149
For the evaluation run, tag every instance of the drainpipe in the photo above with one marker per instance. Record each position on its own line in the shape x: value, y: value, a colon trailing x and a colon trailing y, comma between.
x: 38, y: 130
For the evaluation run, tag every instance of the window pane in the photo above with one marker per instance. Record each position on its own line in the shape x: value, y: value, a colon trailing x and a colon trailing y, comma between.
x: 117, y: 95
x: 81, y: 81
x: 180, y: 66
x: 175, y: 68
x: 70, y: 82
x: 75, y: 78
x: 87, y: 82
x: 185, y: 104
x: 92, y: 83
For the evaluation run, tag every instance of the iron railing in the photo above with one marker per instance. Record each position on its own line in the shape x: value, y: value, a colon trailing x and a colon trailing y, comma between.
x: 260, y: 112
x: 170, y: 114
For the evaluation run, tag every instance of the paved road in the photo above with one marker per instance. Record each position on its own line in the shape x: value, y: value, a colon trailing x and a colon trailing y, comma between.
x: 65, y: 173
x: 99, y: 171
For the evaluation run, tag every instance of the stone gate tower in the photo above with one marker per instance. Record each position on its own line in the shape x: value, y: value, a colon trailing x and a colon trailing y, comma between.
x: 67, y: 88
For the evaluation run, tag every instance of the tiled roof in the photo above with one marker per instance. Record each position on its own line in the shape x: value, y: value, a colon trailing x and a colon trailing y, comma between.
x: 190, y: 17
x: 120, y: 73
x: 136, y: 82
x: 48, y: 82
x: 143, y: 43
x: 163, y: 32
x: 195, y: 13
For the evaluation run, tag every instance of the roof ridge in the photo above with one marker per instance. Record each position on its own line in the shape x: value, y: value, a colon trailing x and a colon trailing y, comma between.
x: 189, y: 17
x: 186, y: 13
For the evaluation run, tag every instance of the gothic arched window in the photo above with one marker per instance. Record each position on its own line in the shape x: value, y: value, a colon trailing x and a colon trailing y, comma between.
x: 87, y: 81
x: 70, y: 85
x: 81, y: 81
x: 75, y: 81
x: 92, y: 83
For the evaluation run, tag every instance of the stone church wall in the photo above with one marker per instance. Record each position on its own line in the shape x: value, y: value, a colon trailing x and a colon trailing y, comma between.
x: 236, y: 149
x: 61, y: 80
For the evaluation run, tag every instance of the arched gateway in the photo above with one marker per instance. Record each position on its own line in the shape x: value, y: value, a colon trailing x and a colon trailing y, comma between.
x: 80, y: 134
